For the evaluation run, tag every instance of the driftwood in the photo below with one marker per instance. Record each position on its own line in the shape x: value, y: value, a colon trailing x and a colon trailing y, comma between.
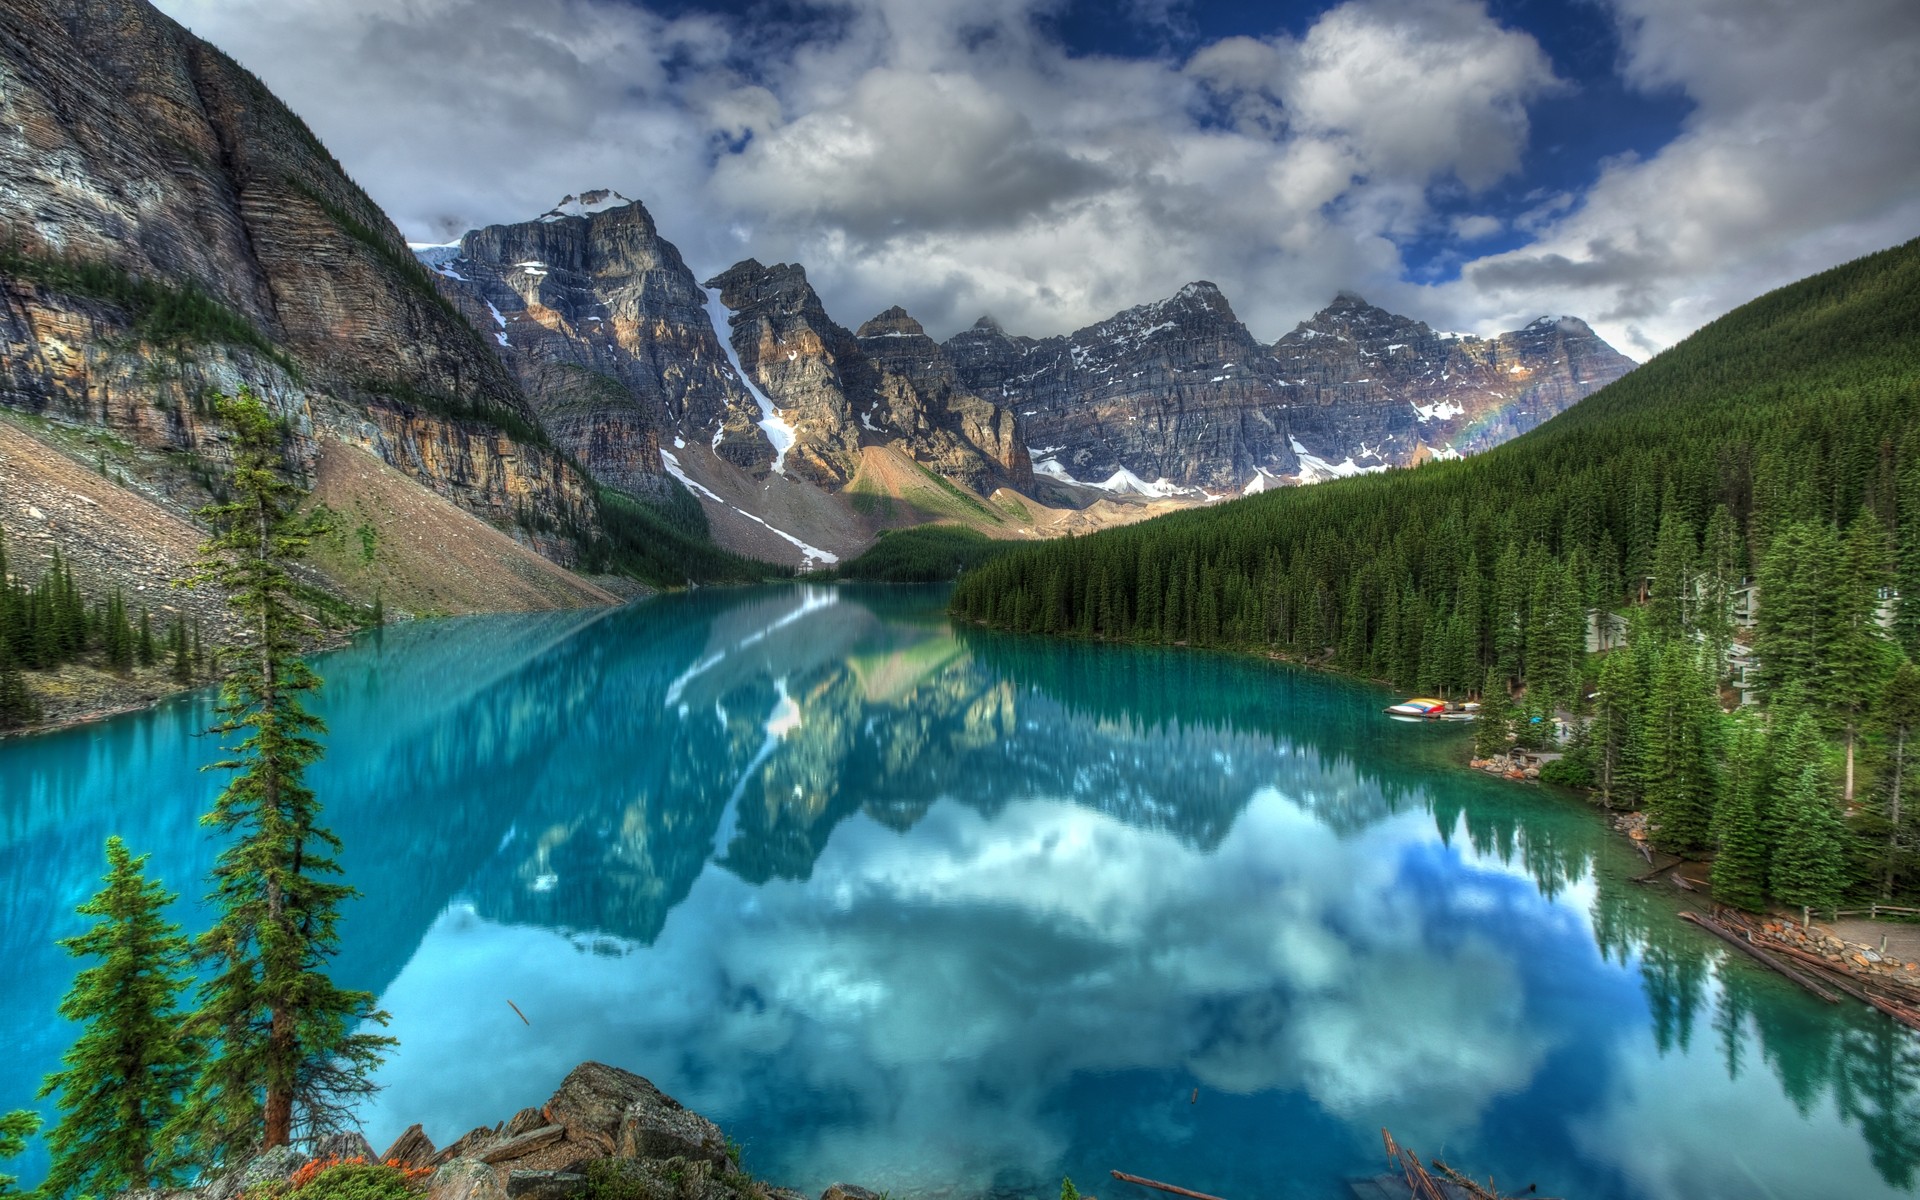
x: 1123, y: 1177
x: 1838, y: 978
x: 1732, y: 939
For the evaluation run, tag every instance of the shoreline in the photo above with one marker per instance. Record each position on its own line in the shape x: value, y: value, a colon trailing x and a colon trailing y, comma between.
x: 1775, y: 930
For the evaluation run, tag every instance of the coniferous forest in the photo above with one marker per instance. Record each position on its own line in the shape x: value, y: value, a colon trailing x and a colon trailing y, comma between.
x: 1736, y: 519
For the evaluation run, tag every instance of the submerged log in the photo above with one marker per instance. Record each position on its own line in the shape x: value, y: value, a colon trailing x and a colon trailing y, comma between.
x: 1732, y: 939
x: 1123, y: 1177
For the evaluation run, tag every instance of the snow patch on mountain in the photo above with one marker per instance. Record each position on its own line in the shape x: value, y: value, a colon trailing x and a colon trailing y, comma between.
x: 594, y: 200
x: 771, y: 422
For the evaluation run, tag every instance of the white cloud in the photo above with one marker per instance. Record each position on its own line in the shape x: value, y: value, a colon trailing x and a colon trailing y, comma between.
x: 1799, y: 155
x: 947, y: 155
x: 1070, y: 946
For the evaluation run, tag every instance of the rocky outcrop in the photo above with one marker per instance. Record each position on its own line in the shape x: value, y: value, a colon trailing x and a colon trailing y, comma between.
x: 839, y: 391
x: 922, y: 403
x: 172, y: 228
x: 1179, y: 393
x: 614, y: 1133
x: 1410, y: 387
x: 602, y: 323
x: 1174, y: 391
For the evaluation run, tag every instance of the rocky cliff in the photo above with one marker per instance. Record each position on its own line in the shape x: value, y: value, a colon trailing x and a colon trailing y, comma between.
x: 602, y: 323
x: 172, y: 228
x: 838, y: 391
x: 1179, y: 395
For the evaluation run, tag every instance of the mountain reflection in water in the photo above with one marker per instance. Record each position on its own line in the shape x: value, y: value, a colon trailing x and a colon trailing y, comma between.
x: 942, y: 911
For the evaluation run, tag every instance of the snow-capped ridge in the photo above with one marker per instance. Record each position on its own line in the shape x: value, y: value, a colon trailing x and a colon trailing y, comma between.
x: 593, y: 200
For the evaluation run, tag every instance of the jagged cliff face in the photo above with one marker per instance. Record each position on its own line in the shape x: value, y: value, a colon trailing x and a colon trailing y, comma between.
x: 838, y: 391
x: 602, y: 323
x: 1179, y: 394
x: 132, y: 146
x: 1424, y: 392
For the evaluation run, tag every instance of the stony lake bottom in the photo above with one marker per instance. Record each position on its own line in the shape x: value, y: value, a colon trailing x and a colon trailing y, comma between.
x: 948, y: 913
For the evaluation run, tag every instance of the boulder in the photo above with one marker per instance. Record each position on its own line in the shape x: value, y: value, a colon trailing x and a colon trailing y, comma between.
x: 545, y: 1185
x: 780, y: 1193
x: 657, y: 1126
x: 525, y: 1144
x: 848, y: 1191
x: 591, y: 1101
x: 526, y: 1121
x: 468, y: 1144
x: 271, y: 1166
x: 343, y: 1147
x: 465, y: 1179
x: 411, y: 1149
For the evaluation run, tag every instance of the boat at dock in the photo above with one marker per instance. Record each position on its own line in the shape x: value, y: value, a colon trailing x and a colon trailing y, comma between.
x: 1427, y: 709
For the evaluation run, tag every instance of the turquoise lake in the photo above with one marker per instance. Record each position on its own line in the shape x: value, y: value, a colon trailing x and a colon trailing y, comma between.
x: 951, y: 913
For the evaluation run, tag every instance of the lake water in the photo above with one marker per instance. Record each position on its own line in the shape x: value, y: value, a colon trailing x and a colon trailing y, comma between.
x: 946, y: 912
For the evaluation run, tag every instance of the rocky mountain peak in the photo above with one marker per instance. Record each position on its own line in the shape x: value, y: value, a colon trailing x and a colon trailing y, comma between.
x: 587, y: 203
x: 986, y: 324
x: 894, y: 323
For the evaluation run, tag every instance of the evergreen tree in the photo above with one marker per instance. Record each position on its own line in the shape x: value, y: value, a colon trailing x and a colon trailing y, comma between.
x: 121, y: 1081
x: 1809, y: 868
x: 182, y: 670
x: 1680, y: 741
x: 15, y: 1128
x: 1897, y: 720
x: 1860, y: 653
x: 1740, y: 865
x: 1794, y: 746
x: 1493, y: 728
x: 1796, y: 607
x: 17, y: 705
x: 1670, y: 599
x: 1618, y: 702
x: 284, y: 1054
x: 143, y: 645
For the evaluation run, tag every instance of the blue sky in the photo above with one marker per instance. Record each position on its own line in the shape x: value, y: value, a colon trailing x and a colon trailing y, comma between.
x: 1646, y: 164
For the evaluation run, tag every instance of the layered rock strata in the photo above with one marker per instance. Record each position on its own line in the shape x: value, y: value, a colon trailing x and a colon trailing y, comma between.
x: 839, y: 391
x: 1179, y: 394
x: 173, y: 229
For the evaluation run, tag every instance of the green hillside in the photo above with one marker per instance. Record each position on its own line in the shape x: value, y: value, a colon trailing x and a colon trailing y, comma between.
x: 1780, y: 442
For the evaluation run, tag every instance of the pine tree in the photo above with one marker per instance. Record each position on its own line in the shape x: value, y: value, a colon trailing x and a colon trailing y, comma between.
x: 1809, y: 868
x: 17, y: 705
x: 1618, y: 702
x: 1795, y: 621
x: 15, y: 1128
x: 1740, y: 865
x: 1493, y: 729
x: 1680, y: 728
x: 143, y: 645
x: 1670, y: 604
x: 121, y: 1082
x: 283, y: 1054
x: 1860, y: 653
x: 182, y: 661
x: 1897, y: 720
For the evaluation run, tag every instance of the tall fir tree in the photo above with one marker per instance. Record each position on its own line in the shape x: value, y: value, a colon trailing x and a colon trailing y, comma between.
x: 1897, y: 721
x: 1740, y: 862
x: 1860, y: 652
x: 1680, y: 728
x: 1810, y: 865
x: 284, y: 1055
x: 1493, y: 730
x: 1795, y: 619
x: 1614, y: 730
x: 121, y: 1081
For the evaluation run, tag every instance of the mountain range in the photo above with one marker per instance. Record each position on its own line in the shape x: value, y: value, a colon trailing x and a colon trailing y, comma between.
x: 565, y: 387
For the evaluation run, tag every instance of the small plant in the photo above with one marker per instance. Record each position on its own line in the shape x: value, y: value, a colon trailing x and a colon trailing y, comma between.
x: 1067, y: 1190
x: 348, y: 1179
